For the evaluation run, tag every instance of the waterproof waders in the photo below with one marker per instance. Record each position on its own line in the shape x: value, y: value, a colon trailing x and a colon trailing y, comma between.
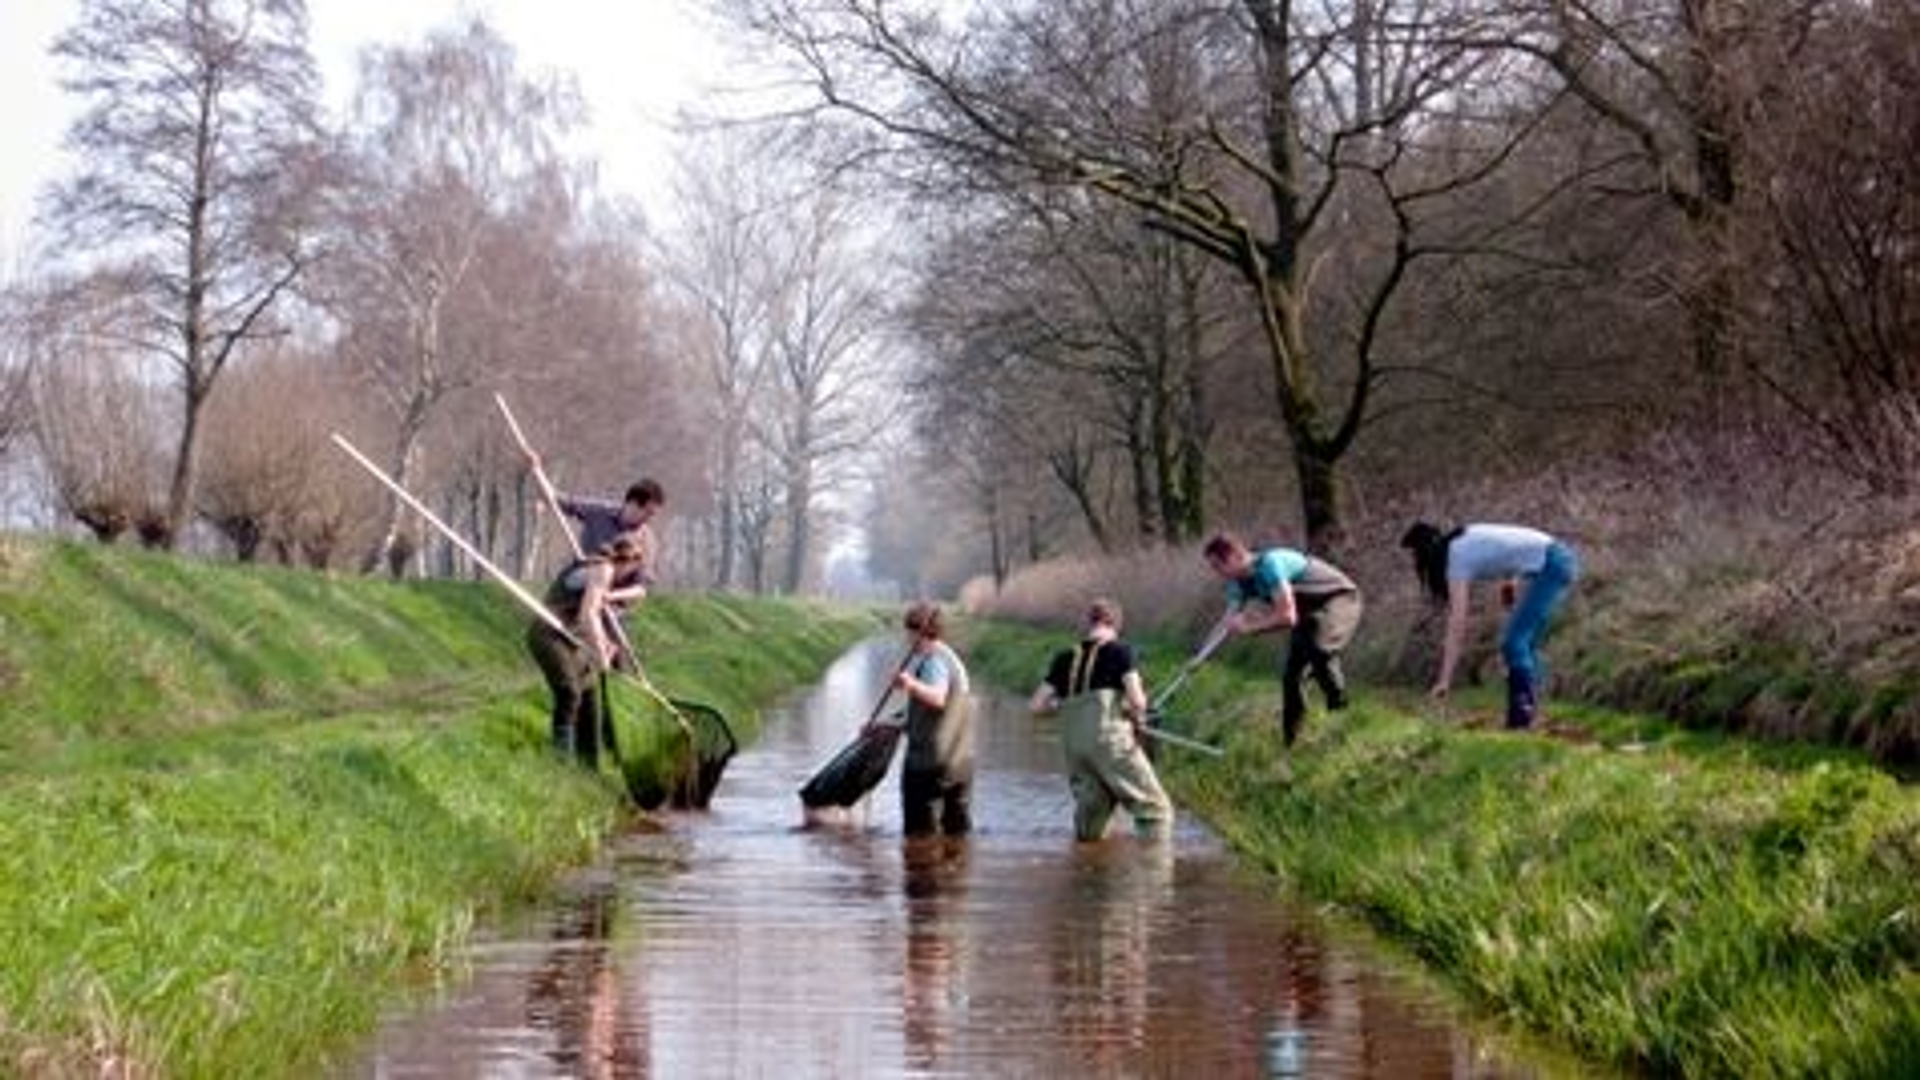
x: 575, y: 683
x: 1106, y: 768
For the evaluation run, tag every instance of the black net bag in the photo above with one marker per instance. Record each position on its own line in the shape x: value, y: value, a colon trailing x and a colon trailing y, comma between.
x: 857, y: 769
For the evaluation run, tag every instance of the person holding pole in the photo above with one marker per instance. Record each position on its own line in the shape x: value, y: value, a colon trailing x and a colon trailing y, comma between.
x: 601, y: 522
x: 936, y: 780
x: 1098, y: 689
x: 575, y: 648
x: 1279, y: 588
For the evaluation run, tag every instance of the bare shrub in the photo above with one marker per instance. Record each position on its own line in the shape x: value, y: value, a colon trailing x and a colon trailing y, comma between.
x: 268, y: 465
x: 96, y: 423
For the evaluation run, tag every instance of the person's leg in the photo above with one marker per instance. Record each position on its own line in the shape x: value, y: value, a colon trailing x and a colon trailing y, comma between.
x: 1333, y: 627
x: 956, y: 808
x: 1080, y: 722
x: 587, y: 719
x: 1132, y: 782
x: 1526, y: 628
x: 1293, y: 670
x: 552, y: 653
x: 918, y: 793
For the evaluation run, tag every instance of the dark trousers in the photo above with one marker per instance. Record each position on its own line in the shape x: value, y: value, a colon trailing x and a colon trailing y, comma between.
x: 1325, y: 627
x: 575, y: 685
x: 929, y: 796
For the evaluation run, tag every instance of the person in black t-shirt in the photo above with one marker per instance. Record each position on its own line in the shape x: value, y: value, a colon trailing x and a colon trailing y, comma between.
x: 1097, y: 689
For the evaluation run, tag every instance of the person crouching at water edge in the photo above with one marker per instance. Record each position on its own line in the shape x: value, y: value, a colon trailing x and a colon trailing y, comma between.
x: 1448, y: 563
x: 1098, y: 689
x: 936, y: 780
x: 578, y: 597
x: 1282, y: 589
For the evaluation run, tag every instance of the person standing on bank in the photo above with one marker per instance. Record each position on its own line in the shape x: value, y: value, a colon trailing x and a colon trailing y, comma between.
x: 1535, y: 571
x: 1279, y: 588
x: 579, y: 598
x: 1098, y: 687
x: 936, y: 780
x: 601, y: 521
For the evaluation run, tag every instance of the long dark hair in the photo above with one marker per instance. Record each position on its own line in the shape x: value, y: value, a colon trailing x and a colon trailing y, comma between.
x: 1429, y: 546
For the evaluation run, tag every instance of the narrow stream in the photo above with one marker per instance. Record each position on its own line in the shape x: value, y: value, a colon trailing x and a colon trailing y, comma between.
x: 736, y: 943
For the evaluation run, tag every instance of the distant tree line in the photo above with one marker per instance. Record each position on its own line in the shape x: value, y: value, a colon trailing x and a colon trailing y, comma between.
x: 231, y: 275
x: 1192, y: 261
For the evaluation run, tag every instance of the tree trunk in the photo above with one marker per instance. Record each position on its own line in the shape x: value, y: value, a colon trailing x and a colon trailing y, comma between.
x: 1319, y: 499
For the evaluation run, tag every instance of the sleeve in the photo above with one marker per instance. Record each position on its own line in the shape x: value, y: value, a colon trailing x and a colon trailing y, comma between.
x: 1059, y: 669
x: 933, y: 671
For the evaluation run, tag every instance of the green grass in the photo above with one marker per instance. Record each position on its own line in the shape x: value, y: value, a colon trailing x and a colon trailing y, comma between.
x: 1703, y: 906
x: 244, y: 809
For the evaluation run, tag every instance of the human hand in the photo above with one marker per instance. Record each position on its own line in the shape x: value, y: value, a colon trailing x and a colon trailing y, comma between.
x: 1438, y: 691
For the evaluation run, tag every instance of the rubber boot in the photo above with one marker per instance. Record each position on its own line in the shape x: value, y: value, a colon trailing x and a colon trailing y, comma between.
x: 1522, y: 706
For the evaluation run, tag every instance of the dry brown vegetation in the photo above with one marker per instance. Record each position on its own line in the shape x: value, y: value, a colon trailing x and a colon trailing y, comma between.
x: 1773, y: 600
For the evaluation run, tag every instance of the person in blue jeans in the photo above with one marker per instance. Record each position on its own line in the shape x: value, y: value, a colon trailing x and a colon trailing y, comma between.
x: 1535, y: 571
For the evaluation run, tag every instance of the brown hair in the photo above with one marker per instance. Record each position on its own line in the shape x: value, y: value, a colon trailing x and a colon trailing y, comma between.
x: 621, y: 549
x: 1105, y: 612
x: 1222, y: 545
x: 923, y: 618
x: 646, y: 492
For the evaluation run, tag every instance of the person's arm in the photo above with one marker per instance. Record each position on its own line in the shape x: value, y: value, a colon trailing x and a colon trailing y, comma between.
x: 627, y: 594
x: 1045, y: 700
x: 1278, y: 615
x: 1134, y: 690
x: 1455, y: 637
x: 928, y: 692
x: 593, y: 606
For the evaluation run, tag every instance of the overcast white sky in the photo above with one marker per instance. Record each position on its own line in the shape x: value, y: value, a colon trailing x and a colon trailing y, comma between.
x: 637, y: 62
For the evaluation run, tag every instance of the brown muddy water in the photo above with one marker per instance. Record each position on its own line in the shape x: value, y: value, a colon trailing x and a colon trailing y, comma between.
x: 738, y: 943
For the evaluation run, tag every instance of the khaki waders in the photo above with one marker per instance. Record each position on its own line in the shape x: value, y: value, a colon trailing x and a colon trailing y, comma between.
x: 1107, y: 768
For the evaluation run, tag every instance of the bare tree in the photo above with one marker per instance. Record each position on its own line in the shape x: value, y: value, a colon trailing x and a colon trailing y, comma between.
x: 1289, y: 118
x: 826, y: 362
x: 197, y: 142
x: 715, y: 261
x: 1113, y: 336
x: 94, y: 418
x: 450, y: 142
x: 1834, y: 321
x: 267, y: 459
x: 17, y: 358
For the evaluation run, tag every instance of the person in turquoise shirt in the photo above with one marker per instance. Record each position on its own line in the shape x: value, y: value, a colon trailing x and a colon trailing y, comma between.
x: 1278, y: 588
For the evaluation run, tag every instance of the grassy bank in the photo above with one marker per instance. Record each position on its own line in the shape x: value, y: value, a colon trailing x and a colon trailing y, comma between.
x: 1702, y: 906
x: 241, y: 808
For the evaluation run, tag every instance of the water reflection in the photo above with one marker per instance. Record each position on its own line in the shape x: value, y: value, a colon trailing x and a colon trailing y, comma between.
x: 574, y: 993
x: 739, y: 943
x: 935, y: 885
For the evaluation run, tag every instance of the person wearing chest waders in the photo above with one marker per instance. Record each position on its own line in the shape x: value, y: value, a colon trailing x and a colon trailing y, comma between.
x: 1534, y: 571
x: 1279, y: 588
x: 936, y: 780
x: 580, y: 597
x: 1097, y: 689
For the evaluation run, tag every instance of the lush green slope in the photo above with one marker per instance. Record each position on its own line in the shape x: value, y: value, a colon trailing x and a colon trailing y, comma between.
x: 1663, y: 900
x: 241, y: 806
